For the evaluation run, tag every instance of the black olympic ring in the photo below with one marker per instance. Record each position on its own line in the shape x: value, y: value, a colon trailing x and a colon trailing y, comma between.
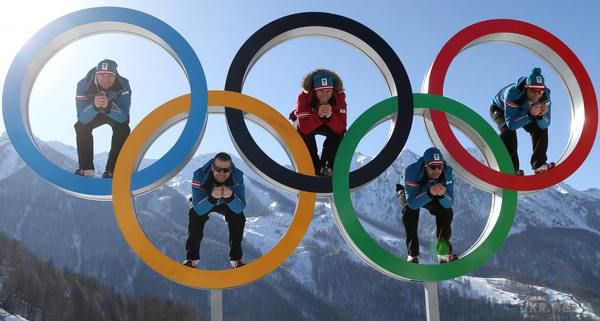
x: 345, y: 29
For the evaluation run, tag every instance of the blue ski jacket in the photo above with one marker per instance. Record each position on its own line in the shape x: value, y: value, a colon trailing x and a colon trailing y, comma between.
x: 201, y: 200
x: 512, y: 99
x: 119, y: 97
x: 417, y: 184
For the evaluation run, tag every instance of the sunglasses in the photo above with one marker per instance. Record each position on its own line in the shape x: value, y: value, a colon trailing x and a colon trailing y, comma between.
x: 536, y: 91
x: 218, y: 169
x: 435, y: 167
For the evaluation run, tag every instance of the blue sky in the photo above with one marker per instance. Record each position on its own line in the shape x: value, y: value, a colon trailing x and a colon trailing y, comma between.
x: 416, y: 30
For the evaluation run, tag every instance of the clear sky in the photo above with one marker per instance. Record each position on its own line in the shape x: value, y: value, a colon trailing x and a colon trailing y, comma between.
x: 416, y: 30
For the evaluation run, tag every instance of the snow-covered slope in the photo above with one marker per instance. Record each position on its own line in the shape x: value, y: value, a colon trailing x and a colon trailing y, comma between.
x: 5, y: 316
x: 532, y: 300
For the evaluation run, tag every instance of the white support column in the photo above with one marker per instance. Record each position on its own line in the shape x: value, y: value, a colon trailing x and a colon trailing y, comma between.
x: 216, y: 305
x: 432, y: 305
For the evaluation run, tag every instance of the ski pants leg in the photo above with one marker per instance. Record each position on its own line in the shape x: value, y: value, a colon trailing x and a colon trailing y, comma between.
x: 195, y: 234
x: 235, y: 223
x: 539, y: 142
x: 443, y: 222
x: 508, y: 136
x: 120, y: 133
x: 330, y: 145
x: 311, y: 144
x: 85, y: 141
x: 410, y: 220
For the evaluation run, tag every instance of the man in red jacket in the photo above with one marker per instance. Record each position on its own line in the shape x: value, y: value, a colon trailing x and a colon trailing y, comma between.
x: 321, y: 110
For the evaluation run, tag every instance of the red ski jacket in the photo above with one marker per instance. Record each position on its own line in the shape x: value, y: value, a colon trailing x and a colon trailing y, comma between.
x: 309, y: 120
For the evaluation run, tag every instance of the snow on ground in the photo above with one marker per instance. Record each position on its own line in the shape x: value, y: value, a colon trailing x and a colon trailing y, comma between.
x: 5, y: 316
x: 561, y: 190
x: 300, y: 266
x: 11, y: 162
x: 557, y: 201
x: 530, y: 298
x: 77, y: 244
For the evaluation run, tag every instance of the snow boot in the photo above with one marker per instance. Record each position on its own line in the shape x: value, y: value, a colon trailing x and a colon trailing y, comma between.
x: 544, y: 168
x: 236, y: 264
x: 443, y: 259
x: 191, y: 263
x: 85, y: 172
x: 413, y: 259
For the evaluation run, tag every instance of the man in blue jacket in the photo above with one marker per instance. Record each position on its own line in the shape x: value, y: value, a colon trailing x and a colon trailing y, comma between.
x: 525, y: 104
x: 429, y: 183
x: 218, y: 186
x: 103, y: 97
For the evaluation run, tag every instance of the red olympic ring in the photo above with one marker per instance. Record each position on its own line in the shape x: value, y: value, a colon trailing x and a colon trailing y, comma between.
x: 506, y: 30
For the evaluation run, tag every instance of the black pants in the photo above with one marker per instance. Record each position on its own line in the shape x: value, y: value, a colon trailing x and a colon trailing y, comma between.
x: 235, y: 222
x: 539, y: 139
x: 330, y: 146
x: 443, y: 222
x: 85, y: 141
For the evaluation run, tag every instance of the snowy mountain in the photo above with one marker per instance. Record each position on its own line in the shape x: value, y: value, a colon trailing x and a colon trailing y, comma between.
x: 11, y: 162
x: 324, y: 275
x: 594, y: 192
x: 5, y: 316
x: 532, y: 300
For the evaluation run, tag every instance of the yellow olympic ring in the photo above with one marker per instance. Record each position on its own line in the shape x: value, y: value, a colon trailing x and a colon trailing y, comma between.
x: 127, y: 163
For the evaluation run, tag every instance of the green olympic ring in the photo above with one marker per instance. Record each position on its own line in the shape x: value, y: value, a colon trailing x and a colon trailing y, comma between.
x: 379, y: 258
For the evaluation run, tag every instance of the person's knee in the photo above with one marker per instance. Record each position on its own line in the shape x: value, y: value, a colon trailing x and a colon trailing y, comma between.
x: 409, y: 213
x: 306, y: 136
x: 441, y: 211
x: 338, y: 138
x: 507, y: 132
x: 195, y: 236
x: 81, y: 128
x: 121, y: 130
x: 447, y: 213
x: 196, y: 219
x: 540, y: 132
x: 237, y: 218
x: 535, y: 130
x: 407, y: 210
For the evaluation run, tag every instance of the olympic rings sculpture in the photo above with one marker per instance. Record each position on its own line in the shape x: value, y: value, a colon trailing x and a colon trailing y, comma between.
x: 128, y: 182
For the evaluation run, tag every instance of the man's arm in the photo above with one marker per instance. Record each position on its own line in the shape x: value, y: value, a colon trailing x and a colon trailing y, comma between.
x: 119, y: 102
x: 417, y: 195
x: 544, y: 120
x: 515, y: 115
x: 84, y: 98
x: 308, y: 120
x: 86, y: 110
x: 447, y: 199
x: 337, y: 121
x: 237, y: 200
x: 84, y: 102
x: 201, y: 199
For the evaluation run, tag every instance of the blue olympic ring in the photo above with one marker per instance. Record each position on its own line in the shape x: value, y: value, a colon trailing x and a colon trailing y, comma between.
x: 59, y: 33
